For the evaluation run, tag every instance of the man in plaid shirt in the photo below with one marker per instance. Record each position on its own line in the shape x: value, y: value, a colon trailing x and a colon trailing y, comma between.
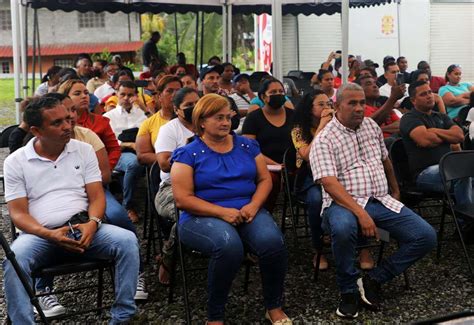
x: 360, y: 192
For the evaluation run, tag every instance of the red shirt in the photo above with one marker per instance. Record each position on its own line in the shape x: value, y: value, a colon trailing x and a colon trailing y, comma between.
x: 392, y: 117
x: 101, y: 126
x: 436, y: 83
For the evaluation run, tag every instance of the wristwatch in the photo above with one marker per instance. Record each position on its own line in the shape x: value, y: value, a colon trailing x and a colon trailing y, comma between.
x: 97, y: 221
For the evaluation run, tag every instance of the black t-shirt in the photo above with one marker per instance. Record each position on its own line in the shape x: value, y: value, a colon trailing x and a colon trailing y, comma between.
x: 149, y: 52
x: 421, y: 158
x: 381, y: 80
x: 273, y: 140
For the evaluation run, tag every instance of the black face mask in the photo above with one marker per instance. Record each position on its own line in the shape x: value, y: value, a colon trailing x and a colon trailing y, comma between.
x: 276, y: 101
x: 188, y: 114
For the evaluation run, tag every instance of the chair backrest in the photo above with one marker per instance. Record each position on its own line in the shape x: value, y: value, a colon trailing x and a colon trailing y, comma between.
x: 295, y: 73
x: 399, y: 159
x: 154, y: 178
x: 5, y: 135
x: 456, y: 165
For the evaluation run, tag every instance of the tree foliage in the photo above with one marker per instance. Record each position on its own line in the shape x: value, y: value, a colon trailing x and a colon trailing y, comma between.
x: 186, y: 23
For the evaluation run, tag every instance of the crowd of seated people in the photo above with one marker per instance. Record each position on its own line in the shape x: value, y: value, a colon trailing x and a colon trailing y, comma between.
x: 189, y: 124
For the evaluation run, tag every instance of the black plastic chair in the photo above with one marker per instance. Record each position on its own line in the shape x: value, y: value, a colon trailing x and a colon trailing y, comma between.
x: 70, y: 267
x: 291, y: 201
x: 5, y: 135
x: 456, y: 166
x: 411, y: 196
x: 182, y: 251
x: 463, y: 317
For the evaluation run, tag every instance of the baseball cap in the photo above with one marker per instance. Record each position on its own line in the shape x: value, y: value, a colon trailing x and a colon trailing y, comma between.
x: 239, y: 76
x: 387, y: 59
x: 210, y: 68
x: 368, y: 64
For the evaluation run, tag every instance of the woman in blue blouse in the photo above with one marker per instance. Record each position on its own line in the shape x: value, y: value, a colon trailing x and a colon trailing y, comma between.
x: 221, y: 181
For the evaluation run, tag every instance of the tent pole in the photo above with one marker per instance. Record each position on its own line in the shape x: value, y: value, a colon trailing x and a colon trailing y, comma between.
x: 39, y: 49
x: 16, y: 57
x: 33, y: 59
x: 229, y: 33
x: 276, y: 39
x: 224, y: 31
x: 196, y: 36
x: 298, y: 42
x: 176, y: 32
x: 399, y: 29
x: 202, y: 37
x: 23, y: 47
x: 345, y: 39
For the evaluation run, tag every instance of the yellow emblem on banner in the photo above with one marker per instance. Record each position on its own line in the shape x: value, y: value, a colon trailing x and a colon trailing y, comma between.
x: 388, y: 25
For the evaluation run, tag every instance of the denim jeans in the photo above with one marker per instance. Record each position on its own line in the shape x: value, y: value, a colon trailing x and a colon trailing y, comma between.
x: 415, y: 237
x: 430, y: 180
x: 129, y: 165
x: 312, y: 195
x: 224, y: 244
x: 110, y: 242
x: 115, y: 214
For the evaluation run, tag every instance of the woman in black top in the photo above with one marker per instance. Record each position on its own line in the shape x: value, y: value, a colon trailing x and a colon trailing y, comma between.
x: 271, y: 127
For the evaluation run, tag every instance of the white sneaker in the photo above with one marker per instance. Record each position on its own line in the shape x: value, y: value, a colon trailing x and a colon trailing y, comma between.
x: 141, y: 293
x: 50, y: 305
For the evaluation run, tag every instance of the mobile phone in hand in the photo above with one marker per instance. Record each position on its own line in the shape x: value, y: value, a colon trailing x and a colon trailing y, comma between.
x: 400, y: 79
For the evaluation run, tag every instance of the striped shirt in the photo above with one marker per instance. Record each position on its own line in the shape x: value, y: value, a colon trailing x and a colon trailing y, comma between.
x: 355, y: 159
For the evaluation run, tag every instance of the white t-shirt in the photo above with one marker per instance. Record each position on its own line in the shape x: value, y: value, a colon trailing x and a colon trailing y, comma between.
x: 121, y: 120
x: 55, y: 189
x: 386, y: 89
x: 242, y: 101
x: 172, y: 135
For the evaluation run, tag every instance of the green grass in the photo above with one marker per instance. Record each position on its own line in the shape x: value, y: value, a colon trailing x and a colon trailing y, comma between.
x: 7, y: 101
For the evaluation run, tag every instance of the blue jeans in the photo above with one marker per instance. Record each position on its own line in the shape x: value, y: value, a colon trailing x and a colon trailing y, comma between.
x: 115, y: 214
x: 430, y: 180
x: 312, y: 195
x: 224, y: 244
x: 129, y: 165
x: 415, y: 237
x: 109, y: 242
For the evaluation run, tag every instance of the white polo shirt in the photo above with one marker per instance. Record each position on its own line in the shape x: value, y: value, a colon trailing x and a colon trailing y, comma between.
x: 121, y: 120
x: 55, y: 189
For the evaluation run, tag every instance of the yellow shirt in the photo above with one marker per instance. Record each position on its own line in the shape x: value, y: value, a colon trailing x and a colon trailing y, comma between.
x: 151, y: 126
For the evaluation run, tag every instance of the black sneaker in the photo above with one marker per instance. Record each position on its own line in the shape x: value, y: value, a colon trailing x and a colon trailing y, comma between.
x: 349, y: 305
x: 369, y: 292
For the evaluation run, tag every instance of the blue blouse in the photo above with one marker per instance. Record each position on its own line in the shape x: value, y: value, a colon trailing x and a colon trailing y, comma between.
x: 225, y: 179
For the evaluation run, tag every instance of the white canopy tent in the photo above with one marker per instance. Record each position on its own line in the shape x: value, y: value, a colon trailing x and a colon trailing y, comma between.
x: 226, y: 7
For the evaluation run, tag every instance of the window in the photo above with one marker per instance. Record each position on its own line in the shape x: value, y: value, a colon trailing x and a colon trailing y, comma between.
x: 91, y: 20
x: 5, y: 67
x: 65, y: 63
x: 5, y: 20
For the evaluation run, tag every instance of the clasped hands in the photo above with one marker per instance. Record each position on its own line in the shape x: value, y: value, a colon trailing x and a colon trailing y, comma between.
x: 236, y: 217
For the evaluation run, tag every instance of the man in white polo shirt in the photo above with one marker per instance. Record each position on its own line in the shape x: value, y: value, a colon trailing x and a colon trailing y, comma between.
x: 127, y: 115
x: 47, y: 182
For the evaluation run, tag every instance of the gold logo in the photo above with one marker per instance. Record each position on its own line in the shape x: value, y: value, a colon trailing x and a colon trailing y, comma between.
x: 388, y: 25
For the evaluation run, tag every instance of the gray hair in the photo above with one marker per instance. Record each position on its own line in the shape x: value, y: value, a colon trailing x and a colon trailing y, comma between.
x: 348, y: 86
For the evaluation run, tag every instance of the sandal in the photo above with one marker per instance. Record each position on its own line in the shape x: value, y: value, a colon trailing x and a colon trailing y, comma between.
x: 163, y: 269
x: 323, y: 262
x: 284, y: 321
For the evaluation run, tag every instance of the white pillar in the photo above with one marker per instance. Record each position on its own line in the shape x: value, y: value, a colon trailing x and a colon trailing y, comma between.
x: 24, y: 48
x: 229, y: 33
x: 276, y: 39
x: 16, y: 55
x: 224, y: 31
x: 345, y: 39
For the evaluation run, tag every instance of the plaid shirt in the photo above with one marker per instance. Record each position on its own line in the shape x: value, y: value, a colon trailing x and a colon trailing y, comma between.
x: 355, y: 158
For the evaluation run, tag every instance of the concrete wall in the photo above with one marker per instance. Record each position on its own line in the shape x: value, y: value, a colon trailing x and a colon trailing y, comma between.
x: 59, y: 27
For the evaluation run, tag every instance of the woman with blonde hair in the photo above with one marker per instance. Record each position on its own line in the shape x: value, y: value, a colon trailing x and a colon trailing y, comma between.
x: 220, y: 181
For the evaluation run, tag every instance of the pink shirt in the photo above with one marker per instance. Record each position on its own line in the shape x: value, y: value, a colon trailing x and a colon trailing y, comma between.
x: 355, y: 158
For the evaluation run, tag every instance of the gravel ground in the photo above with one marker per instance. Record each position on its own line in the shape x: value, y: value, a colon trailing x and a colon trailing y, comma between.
x: 436, y: 289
